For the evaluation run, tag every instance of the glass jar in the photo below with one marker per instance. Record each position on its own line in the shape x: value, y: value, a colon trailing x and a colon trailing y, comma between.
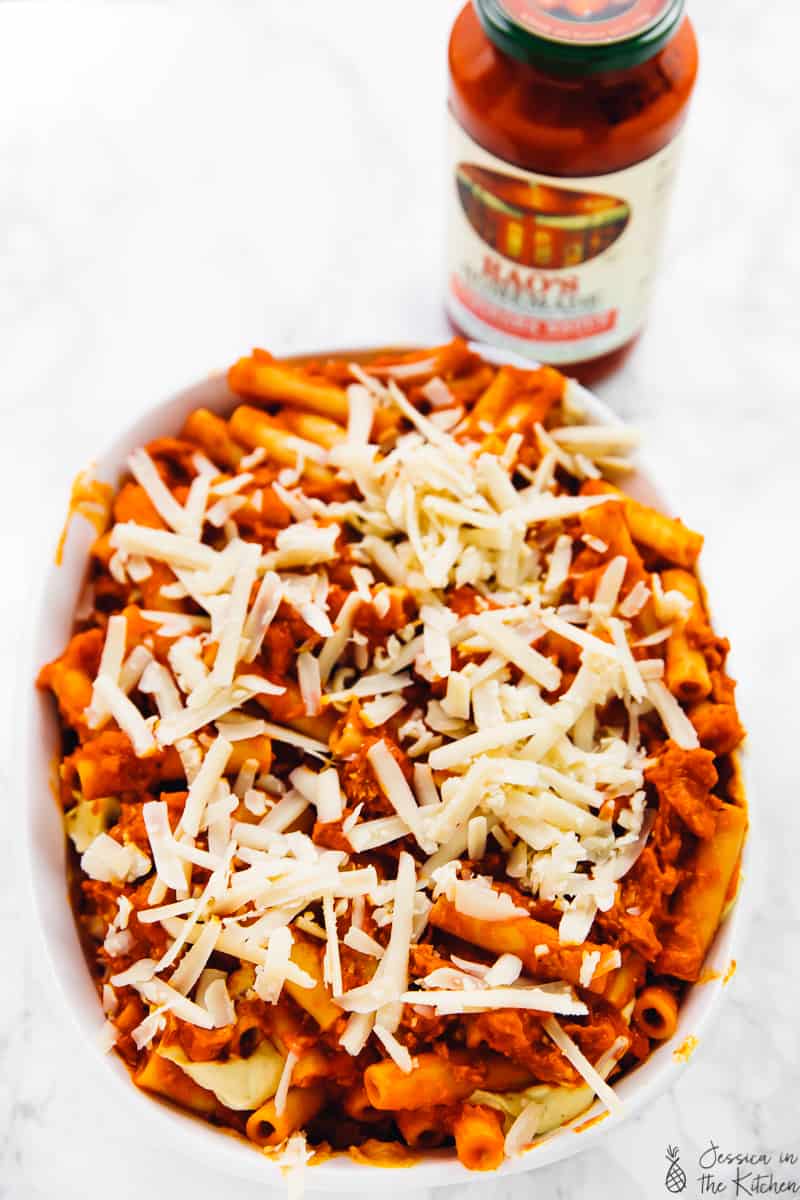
x: 564, y: 116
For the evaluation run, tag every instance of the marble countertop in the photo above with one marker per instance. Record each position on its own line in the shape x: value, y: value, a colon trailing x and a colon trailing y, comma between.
x: 182, y: 182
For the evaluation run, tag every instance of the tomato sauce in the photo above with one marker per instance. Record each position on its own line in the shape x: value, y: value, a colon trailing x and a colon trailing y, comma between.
x: 586, y: 92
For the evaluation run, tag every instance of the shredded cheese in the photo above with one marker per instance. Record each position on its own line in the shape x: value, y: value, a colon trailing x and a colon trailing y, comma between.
x: 146, y: 474
x: 398, y: 793
x: 574, y: 1055
x: 674, y: 719
x: 110, y: 862
x: 548, y: 998
x: 398, y: 1053
x: 111, y: 697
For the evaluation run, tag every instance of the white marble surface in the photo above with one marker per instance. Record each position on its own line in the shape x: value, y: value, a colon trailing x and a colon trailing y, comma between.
x: 179, y: 183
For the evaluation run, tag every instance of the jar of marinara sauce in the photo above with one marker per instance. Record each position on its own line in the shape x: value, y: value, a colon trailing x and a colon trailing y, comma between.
x: 564, y: 116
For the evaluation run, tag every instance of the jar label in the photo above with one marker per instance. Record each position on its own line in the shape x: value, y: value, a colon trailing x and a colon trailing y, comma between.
x: 589, y: 22
x: 558, y: 268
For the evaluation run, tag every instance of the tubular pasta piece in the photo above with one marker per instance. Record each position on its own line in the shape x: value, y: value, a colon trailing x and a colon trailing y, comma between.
x: 480, y: 1143
x: 267, y: 1127
x: 700, y: 900
x: 521, y: 936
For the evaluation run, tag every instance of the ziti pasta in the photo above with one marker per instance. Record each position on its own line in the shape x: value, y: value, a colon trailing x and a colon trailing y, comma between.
x: 397, y: 760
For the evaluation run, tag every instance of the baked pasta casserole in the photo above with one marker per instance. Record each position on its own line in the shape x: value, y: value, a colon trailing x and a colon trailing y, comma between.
x: 398, y: 760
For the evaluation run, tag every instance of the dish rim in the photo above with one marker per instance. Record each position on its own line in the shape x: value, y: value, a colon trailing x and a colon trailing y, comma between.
x: 58, y: 589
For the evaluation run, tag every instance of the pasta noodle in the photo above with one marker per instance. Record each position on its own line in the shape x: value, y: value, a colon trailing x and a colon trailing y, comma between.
x: 397, y: 765
x: 701, y: 897
x: 656, y: 1013
x: 687, y: 674
x: 479, y: 1138
x: 268, y: 1127
x: 524, y: 937
x: 423, y: 1127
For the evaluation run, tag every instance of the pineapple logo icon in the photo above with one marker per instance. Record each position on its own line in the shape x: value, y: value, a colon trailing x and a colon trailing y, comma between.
x: 675, y: 1181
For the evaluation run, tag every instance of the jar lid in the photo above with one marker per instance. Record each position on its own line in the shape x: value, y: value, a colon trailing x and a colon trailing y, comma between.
x: 583, y: 37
